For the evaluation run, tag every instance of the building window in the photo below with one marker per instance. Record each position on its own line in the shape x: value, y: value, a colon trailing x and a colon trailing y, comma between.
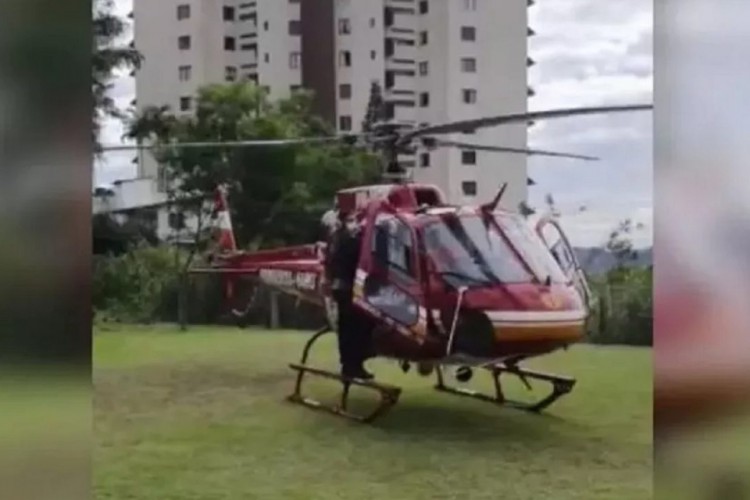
x: 468, y: 33
x: 345, y: 58
x: 184, y: 73
x: 294, y: 60
x: 230, y: 73
x: 345, y: 27
x: 229, y: 43
x: 423, y: 67
x: 373, y: 55
x: 424, y: 160
x: 345, y: 122
x: 424, y: 99
x: 423, y: 7
x: 295, y: 88
x: 422, y: 38
x: 469, y: 188
x: 295, y: 28
x: 469, y: 65
x: 229, y: 13
x: 468, y: 157
x: 345, y: 91
x: 266, y: 57
x: 390, y: 47
x: 183, y: 12
x: 469, y: 96
x: 470, y: 5
x: 372, y: 22
x: 176, y: 220
x: 185, y: 103
x: 184, y: 42
x: 265, y: 25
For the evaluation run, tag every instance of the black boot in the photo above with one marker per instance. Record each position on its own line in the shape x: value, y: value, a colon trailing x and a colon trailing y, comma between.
x: 357, y: 372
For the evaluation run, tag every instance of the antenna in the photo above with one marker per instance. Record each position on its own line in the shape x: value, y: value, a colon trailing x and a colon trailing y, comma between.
x: 491, y: 206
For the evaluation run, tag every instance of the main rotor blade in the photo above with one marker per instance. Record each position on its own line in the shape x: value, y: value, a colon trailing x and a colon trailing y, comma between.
x: 471, y: 125
x: 232, y: 144
x: 503, y: 149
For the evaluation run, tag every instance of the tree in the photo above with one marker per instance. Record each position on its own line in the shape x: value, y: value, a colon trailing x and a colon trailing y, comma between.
x: 620, y: 243
x: 376, y: 111
x: 273, y: 190
x: 109, y: 54
x: 277, y: 194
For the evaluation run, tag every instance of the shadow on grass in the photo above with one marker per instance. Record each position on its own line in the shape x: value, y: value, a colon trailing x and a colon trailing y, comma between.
x: 427, y: 418
x: 493, y: 425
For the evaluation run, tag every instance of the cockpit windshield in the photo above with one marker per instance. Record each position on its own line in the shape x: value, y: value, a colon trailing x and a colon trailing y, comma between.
x: 468, y: 250
x: 530, y: 246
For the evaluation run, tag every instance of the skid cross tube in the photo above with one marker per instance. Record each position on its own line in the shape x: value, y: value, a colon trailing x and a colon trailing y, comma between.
x: 560, y: 387
x: 388, y: 394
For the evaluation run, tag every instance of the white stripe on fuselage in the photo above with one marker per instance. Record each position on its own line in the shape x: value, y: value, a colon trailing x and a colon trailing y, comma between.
x: 535, y: 316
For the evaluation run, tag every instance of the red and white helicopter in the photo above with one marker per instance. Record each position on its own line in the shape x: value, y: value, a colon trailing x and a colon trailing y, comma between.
x: 474, y: 287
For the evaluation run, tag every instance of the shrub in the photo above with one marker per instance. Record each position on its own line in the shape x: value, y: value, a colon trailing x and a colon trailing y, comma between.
x: 624, y: 311
x: 131, y: 287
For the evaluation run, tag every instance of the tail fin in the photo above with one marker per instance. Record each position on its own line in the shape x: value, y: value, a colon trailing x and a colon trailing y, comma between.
x: 225, y: 234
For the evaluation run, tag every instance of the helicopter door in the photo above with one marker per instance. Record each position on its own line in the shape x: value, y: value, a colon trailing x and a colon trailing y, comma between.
x: 554, y: 238
x: 391, y: 283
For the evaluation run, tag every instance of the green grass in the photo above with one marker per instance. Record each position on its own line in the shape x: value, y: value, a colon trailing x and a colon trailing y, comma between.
x: 201, y: 415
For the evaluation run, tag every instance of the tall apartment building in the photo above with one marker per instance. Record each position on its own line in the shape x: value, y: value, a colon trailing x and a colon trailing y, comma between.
x: 436, y: 61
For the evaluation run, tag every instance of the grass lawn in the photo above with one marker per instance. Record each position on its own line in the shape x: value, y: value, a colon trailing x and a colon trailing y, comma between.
x: 202, y: 415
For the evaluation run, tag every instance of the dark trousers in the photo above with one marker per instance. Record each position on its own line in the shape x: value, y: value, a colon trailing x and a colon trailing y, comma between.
x: 352, y: 337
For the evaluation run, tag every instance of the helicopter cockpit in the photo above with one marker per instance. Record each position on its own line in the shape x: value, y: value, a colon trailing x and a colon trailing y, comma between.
x: 481, y: 249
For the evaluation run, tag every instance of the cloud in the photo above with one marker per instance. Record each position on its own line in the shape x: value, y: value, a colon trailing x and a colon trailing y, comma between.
x: 591, y: 228
x: 593, y: 53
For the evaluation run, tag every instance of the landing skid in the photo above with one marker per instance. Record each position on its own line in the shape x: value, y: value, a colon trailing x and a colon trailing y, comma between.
x: 388, y: 394
x: 560, y: 387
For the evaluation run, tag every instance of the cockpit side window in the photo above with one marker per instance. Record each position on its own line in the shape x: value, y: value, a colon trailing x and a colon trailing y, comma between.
x: 393, y: 245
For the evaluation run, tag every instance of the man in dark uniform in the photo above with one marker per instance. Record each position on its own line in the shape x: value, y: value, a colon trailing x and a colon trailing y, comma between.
x: 341, y: 268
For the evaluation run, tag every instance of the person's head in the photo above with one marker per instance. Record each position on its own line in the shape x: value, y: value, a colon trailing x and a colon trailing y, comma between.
x: 348, y: 221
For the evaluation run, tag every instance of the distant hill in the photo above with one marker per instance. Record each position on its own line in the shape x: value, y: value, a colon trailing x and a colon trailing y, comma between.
x: 599, y: 260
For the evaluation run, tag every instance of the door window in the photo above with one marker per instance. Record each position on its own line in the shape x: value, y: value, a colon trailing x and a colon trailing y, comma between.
x: 393, y: 245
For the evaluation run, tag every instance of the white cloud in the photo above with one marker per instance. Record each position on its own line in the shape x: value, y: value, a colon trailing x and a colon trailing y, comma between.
x: 592, y: 227
x: 593, y: 53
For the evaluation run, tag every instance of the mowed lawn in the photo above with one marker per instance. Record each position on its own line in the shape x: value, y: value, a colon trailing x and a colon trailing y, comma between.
x: 202, y: 415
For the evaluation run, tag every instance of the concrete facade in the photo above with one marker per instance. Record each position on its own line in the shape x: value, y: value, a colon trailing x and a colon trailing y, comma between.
x: 436, y: 61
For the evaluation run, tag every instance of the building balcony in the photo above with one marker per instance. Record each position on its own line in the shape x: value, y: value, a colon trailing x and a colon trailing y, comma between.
x: 399, y: 5
x: 396, y: 94
x: 128, y: 195
x: 403, y: 34
x: 401, y: 65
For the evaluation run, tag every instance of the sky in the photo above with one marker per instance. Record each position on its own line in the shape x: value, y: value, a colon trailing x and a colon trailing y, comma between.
x: 587, y: 53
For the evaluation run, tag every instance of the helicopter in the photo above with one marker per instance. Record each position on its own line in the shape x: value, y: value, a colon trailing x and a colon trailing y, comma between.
x: 466, y: 287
